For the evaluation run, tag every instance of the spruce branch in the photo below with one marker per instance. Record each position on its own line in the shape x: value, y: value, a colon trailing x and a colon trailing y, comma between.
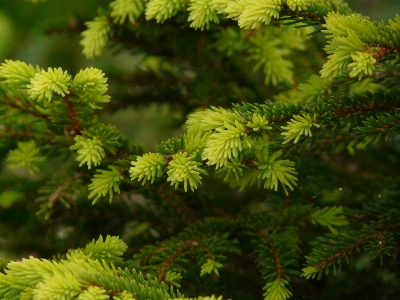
x: 274, y: 112
x: 92, y: 145
x: 339, y: 247
x: 26, y: 155
x: 184, y: 169
x: 94, y: 292
x: 329, y: 216
x: 277, y: 258
x: 299, y: 126
x: 259, y: 13
x: 225, y: 144
x: 258, y: 123
x: 298, y: 5
x: 59, y: 286
x: 109, y: 249
x: 175, y: 253
x: 253, y: 15
x: 73, y: 118
x: 329, y: 251
x: 201, y: 298
x: 360, y: 49
x: 275, y: 171
x: 43, y: 84
x: 17, y: 74
x: 201, y: 14
x: 270, y: 53
x: 353, y: 102
x: 277, y: 290
x: 126, y: 9
x: 25, y: 105
x: 90, y: 85
x: 147, y: 167
x: 212, y: 119
x: 264, y: 224
x: 209, y: 267
x: 363, y: 64
x: 56, y: 194
x: 173, y: 278
x: 364, y: 105
x: 90, y: 151
x: 197, y: 242
x: 222, y: 138
x: 88, y: 271
x: 95, y: 37
x: 234, y: 170
x: 174, y: 200
x: 382, y: 125
x: 226, y: 137
x: 67, y: 99
x: 105, y: 182
x: 163, y: 9
x: 58, y: 189
x: 315, y: 89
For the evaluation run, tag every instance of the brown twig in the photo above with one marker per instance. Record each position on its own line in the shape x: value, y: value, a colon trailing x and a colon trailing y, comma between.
x: 76, y: 127
x: 24, y: 107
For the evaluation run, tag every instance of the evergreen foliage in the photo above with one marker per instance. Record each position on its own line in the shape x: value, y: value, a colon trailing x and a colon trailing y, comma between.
x: 282, y: 174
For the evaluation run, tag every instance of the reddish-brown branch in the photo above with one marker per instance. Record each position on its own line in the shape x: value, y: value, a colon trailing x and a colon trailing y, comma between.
x: 188, y: 245
x: 381, y: 51
x: 76, y: 127
x: 12, y: 133
x: 24, y: 107
x: 337, y: 255
x: 193, y: 244
x: 366, y: 239
x: 371, y: 106
x: 56, y: 194
x: 165, y: 265
x: 384, y: 127
x: 307, y: 15
x: 147, y: 257
x: 275, y: 253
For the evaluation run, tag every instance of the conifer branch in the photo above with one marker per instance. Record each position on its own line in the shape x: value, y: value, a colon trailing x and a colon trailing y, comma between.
x: 24, y: 107
x: 174, y: 201
x: 168, y: 262
x: 220, y: 72
x: 277, y: 259
x: 342, y: 245
x: 76, y: 127
x: 82, y: 271
x: 56, y: 194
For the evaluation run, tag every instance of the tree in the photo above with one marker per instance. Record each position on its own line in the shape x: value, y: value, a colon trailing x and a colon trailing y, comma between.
x: 280, y: 179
